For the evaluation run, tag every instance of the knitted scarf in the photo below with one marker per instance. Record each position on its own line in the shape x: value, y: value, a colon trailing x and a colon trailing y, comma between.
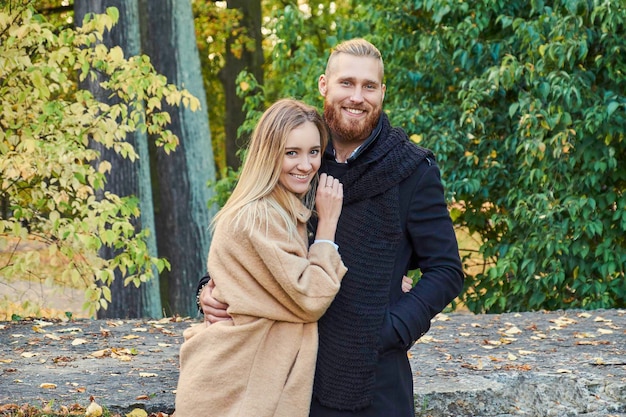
x: 368, y: 235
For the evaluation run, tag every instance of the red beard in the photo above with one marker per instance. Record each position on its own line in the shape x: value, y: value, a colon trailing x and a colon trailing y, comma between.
x: 349, y: 130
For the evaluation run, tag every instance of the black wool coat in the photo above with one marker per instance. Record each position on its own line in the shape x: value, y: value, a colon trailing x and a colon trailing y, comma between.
x: 428, y: 242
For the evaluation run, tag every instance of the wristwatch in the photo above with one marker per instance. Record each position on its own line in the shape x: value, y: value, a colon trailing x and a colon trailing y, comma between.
x: 203, y: 283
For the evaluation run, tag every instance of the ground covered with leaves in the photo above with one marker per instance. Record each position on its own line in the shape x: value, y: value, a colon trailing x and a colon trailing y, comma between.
x: 562, y: 363
x: 60, y: 366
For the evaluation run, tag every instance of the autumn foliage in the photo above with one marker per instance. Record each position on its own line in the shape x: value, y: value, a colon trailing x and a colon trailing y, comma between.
x: 51, y: 180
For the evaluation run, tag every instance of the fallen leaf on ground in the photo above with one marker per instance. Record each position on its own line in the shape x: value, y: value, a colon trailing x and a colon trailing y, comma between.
x: 602, y: 319
x: 100, y: 353
x: 70, y: 330
x: 513, y: 330
x: 137, y: 412
x: 583, y: 335
x: 94, y: 409
x: 8, y: 407
x: 593, y: 342
x: 562, y: 322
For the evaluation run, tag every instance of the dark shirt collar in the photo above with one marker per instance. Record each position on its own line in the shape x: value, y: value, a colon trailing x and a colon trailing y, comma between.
x: 330, y: 150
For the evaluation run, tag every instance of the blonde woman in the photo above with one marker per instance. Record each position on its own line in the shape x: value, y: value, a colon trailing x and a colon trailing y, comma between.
x: 262, y: 362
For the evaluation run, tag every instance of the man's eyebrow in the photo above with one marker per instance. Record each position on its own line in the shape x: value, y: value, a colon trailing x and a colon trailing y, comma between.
x: 353, y: 79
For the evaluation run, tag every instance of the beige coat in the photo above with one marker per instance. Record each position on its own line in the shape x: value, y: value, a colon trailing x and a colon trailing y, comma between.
x: 262, y: 363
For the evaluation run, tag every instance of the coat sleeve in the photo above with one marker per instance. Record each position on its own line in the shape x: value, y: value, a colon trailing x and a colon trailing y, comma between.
x: 436, y: 254
x: 276, y: 277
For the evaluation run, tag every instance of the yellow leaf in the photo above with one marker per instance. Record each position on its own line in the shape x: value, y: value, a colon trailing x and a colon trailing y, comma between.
x: 562, y: 322
x: 602, y: 319
x: 104, y: 167
x: 137, y: 412
x: 99, y: 353
x: 513, y: 330
x: 244, y: 86
x: 48, y: 385
x: 605, y: 331
x: 93, y: 410
x: 140, y: 329
x: 116, y: 53
x: 78, y: 341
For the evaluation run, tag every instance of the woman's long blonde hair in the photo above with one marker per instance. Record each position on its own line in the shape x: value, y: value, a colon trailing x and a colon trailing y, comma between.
x: 258, y: 189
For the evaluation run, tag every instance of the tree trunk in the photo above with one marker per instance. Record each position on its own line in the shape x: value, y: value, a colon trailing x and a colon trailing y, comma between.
x: 126, y: 178
x: 251, y: 61
x: 182, y: 195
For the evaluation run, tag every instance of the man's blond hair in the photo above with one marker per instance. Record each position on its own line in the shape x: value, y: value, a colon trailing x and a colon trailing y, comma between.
x: 356, y: 47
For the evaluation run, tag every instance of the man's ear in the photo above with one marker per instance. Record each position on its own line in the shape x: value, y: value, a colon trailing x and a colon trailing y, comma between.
x: 321, y: 84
